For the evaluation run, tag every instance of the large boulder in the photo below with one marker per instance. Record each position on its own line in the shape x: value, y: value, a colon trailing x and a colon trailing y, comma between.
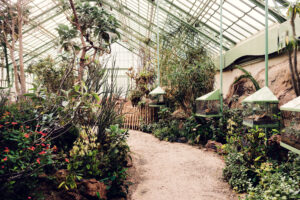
x: 92, y: 187
x: 280, y: 84
x: 214, y: 146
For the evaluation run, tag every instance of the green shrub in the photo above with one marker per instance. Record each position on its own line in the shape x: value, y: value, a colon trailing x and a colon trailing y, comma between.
x: 278, y: 181
x: 105, y: 161
x: 25, y: 152
x: 161, y: 133
x: 237, y: 172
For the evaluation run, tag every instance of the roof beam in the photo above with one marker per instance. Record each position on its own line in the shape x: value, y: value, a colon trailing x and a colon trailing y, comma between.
x: 215, y: 40
x: 203, y: 24
x: 35, y: 50
x: 122, y: 45
x: 40, y: 53
x: 272, y: 11
x: 119, y: 10
x: 137, y: 44
x: 283, y: 2
x: 43, y: 13
x: 137, y: 38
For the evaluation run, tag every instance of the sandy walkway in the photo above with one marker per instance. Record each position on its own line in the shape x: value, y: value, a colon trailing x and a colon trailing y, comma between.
x: 173, y: 171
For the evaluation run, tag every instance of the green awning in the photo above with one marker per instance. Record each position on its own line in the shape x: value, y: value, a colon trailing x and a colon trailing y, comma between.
x: 264, y: 95
x: 214, y: 95
x: 157, y: 91
x: 293, y: 105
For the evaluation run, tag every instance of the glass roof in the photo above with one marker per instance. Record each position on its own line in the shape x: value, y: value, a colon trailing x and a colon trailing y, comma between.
x: 242, y: 19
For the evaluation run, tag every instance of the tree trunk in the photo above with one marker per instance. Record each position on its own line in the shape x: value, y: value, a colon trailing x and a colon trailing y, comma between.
x: 83, y: 53
x: 16, y: 74
x: 294, y: 67
x: 81, y: 64
x: 20, y: 24
x: 12, y: 56
x: 294, y: 82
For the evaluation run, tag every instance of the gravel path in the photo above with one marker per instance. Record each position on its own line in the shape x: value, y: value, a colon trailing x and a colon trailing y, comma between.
x: 174, y: 171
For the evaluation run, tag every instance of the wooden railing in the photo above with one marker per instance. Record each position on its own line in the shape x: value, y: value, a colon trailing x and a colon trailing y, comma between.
x: 133, y: 116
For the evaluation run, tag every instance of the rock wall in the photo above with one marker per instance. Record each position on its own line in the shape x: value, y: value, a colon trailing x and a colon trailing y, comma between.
x: 279, y: 80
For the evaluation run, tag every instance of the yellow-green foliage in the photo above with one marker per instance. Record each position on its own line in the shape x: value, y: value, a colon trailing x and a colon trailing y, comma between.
x: 85, y: 142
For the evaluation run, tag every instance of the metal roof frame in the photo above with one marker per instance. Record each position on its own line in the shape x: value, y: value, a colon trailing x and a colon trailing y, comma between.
x: 199, y: 16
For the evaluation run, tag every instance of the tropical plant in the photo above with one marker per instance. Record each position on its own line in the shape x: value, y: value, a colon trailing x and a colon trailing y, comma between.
x: 144, y: 81
x: 187, y: 72
x: 95, y: 28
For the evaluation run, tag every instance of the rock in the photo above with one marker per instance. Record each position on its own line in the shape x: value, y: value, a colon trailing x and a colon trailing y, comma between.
x: 179, y: 114
x: 278, y: 152
x: 61, y: 175
x: 215, y: 146
x: 129, y: 161
x: 182, y: 140
x: 274, y: 140
x: 181, y: 124
x: 280, y: 84
x: 90, y: 187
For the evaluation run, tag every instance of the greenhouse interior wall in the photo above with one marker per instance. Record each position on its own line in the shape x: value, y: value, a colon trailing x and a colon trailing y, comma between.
x: 279, y: 77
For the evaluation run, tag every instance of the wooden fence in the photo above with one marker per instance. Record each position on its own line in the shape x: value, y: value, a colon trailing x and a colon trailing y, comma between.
x: 133, y: 116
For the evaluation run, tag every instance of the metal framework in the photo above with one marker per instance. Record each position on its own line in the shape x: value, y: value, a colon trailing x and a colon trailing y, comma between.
x: 241, y: 20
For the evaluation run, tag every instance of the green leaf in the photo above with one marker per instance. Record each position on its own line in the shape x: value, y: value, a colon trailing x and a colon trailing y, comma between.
x: 61, y: 184
x: 96, y: 96
x: 30, y: 95
x: 257, y: 159
x: 76, y: 88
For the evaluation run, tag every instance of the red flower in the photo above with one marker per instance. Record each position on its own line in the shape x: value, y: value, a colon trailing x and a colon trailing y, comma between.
x: 26, y: 126
x: 38, y: 160
x: 40, y: 132
x: 37, y: 126
x: 67, y: 160
x: 54, y: 148
x: 14, y: 123
x: 32, y: 148
x: 42, y: 152
x: 5, y: 159
x: 43, y: 139
x: 2, y: 166
x: 26, y: 135
x: 7, y: 122
x: 1, y: 126
x: 29, y: 197
x: 6, y: 149
x: 43, y: 144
